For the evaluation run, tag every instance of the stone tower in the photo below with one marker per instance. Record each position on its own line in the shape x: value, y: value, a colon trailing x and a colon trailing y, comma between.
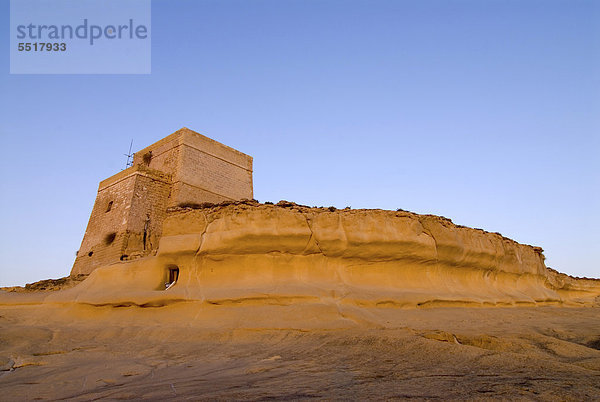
x: 185, y: 167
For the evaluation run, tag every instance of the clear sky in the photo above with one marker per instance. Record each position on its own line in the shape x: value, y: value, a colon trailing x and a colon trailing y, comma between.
x: 486, y: 112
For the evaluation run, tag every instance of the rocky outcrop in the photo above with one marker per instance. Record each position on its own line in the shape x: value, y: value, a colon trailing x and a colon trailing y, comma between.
x: 48, y: 284
x: 247, y: 252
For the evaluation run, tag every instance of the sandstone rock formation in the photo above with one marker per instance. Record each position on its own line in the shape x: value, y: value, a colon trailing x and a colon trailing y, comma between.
x: 246, y: 252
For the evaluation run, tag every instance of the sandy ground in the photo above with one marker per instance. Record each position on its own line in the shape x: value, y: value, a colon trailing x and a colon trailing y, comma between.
x: 197, y: 351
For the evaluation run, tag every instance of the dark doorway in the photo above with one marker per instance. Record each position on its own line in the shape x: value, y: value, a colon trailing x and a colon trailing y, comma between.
x: 173, y: 276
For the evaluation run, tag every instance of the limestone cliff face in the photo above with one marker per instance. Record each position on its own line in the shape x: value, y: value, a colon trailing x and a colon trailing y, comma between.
x: 253, y: 253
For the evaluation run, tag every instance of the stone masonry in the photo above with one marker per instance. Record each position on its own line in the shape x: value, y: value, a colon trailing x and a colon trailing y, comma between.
x: 184, y: 167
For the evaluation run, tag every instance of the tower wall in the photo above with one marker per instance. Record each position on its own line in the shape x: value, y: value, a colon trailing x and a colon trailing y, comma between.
x: 206, y: 176
x: 184, y: 167
x: 137, y: 197
x: 147, y: 213
x: 203, y: 169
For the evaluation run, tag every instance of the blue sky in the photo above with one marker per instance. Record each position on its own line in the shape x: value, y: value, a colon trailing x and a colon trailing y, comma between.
x: 486, y: 112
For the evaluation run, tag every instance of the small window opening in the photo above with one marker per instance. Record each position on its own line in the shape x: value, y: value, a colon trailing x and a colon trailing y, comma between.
x: 90, y: 253
x: 173, y: 276
x: 109, y: 238
x: 123, y: 257
x: 109, y: 206
x: 146, y: 228
x: 147, y: 157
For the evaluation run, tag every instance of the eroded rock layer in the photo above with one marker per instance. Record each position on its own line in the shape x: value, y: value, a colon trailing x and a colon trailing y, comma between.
x: 285, y: 253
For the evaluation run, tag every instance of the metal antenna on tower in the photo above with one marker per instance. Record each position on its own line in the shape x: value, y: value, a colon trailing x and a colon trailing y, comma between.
x: 129, y: 156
